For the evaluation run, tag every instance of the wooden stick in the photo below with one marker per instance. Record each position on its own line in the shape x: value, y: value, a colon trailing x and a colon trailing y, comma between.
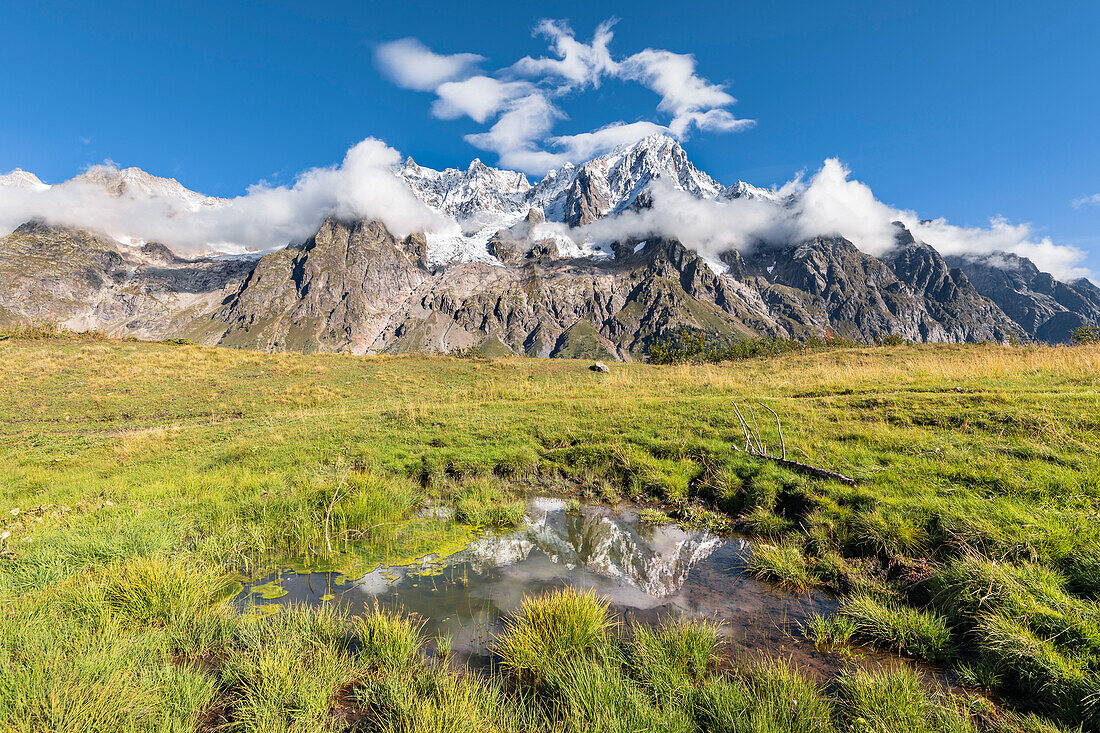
x: 744, y: 426
x: 807, y: 469
x: 759, y: 442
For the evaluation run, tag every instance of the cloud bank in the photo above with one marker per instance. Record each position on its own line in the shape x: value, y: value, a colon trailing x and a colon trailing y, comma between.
x: 521, y: 100
x: 411, y: 65
x: 364, y: 185
x: 829, y: 204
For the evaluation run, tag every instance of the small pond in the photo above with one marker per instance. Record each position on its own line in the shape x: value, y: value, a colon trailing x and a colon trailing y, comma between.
x: 646, y: 573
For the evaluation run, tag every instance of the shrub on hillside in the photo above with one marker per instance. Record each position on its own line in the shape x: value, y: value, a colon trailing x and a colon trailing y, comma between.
x: 1086, y: 334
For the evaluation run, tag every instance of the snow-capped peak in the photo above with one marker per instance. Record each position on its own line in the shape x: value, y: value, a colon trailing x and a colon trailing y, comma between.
x: 610, y: 183
x: 136, y: 183
x: 20, y: 178
x: 742, y: 190
x: 469, y: 193
x: 484, y: 200
x: 631, y: 168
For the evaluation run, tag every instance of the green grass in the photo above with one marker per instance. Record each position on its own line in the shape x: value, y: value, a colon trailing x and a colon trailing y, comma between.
x: 784, y: 564
x: 555, y: 629
x: 770, y: 697
x: 482, y: 502
x: 1031, y: 637
x: 900, y: 628
x: 896, y: 700
x: 670, y: 659
x: 149, y: 477
x: 835, y: 631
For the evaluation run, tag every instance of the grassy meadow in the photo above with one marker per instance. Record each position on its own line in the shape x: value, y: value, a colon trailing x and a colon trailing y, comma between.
x: 141, y: 482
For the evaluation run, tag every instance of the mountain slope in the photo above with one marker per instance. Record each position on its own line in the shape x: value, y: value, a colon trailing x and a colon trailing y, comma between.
x: 86, y: 280
x: 136, y: 183
x: 354, y: 287
x: 516, y: 275
x: 1047, y: 309
x: 334, y: 292
x: 20, y: 178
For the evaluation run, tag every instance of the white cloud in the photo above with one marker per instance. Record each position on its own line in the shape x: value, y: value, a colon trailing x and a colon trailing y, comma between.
x: 586, y: 145
x: 830, y: 204
x: 1062, y: 261
x: 363, y: 186
x: 410, y: 64
x: 578, y: 64
x: 833, y: 205
x: 513, y: 136
x: 523, y: 98
x: 685, y: 95
x: 516, y: 135
x: 1084, y: 201
x: 478, y: 97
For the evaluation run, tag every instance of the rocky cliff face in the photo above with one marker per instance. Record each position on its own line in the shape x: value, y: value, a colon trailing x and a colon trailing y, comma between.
x: 354, y: 287
x: 88, y: 281
x: 1046, y: 309
x: 515, y: 276
x: 826, y: 283
x: 336, y: 292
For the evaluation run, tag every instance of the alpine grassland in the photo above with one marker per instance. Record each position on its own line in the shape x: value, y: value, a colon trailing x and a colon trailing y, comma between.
x: 141, y: 483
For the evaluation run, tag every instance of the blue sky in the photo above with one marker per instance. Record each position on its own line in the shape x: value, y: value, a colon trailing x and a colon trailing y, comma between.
x: 962, y: 110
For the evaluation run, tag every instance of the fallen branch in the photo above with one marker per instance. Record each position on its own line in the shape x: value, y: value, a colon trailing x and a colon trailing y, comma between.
x: 807, y: 468
x: 751, y: 444
x: 762, y: 448
x: 754, y: 446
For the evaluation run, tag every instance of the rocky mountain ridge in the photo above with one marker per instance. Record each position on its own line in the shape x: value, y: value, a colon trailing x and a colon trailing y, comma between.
x: 516, y: 281
x: 136, y: 183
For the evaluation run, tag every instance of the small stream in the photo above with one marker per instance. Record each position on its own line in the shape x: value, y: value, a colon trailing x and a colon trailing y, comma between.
x: 646, y: 573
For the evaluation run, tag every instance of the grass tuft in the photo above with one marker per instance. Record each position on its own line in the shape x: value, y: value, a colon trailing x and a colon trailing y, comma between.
x: 671, y: 658
x: 896, y: 700
x: 553, y: 629
x: 783, y: 564
x: 900, y: 628
x: 772, y: 698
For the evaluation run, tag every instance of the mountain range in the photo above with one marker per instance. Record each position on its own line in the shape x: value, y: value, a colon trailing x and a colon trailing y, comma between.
x: 513, y: 277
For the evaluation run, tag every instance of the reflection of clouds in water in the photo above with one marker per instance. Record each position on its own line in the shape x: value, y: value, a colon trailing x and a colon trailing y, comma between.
x: 604, y: 544
x: 378, y: 581
x: 542, y: 505
x: 630, y: 565
x: 489, y: 552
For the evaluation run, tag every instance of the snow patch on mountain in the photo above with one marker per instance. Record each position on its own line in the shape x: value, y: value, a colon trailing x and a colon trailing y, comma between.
x: 137, y: 184
x: 478, y: 192
x: 742, y: 190
x: 484, y: 200
x: 20, y: 178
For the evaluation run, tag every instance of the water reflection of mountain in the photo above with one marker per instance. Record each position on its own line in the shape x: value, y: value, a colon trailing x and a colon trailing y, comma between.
x: 655, y: 560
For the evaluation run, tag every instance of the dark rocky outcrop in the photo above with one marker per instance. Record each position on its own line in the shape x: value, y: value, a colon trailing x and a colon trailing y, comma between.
x: 355, y: 287
x: 335, y: 292
x: 827, y: 283
x: 1045, y: 308
x: 86, y: 280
